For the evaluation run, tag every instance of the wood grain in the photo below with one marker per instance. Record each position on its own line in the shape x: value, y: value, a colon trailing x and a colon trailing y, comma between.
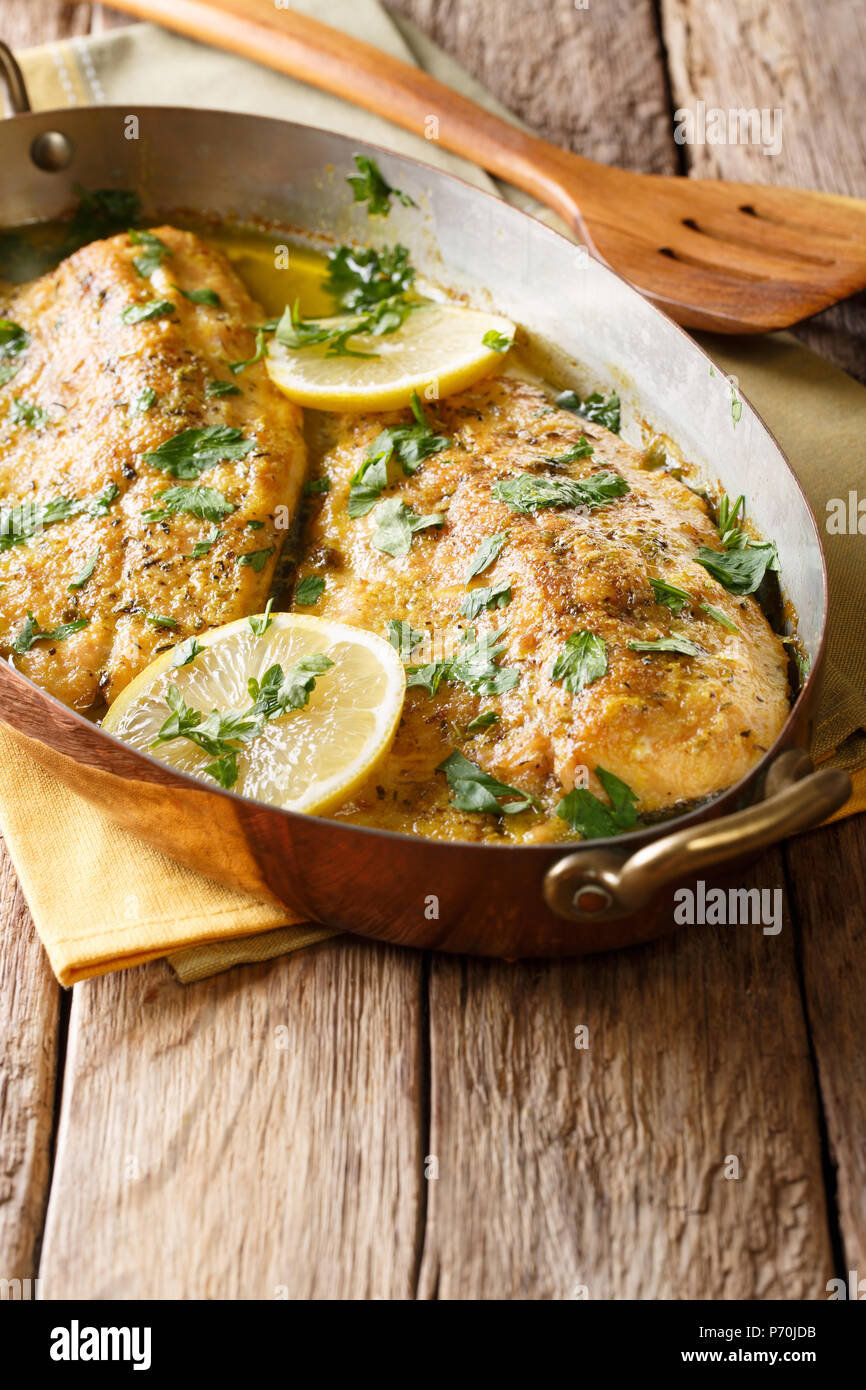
x: 24, y: 24
x: 807, y: 61
x: 30, y: 1008
x: 827, y: 874
x: 254, y: 1136
x: 600, y: 1173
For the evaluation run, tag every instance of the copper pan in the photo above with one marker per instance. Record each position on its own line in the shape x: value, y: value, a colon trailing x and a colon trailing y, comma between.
x: 526, y: 901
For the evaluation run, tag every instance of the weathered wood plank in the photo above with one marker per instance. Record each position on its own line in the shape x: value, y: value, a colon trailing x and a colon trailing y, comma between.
x: 600, y: 1173
x: 827, y: 872
x: 30, y: 1010
x: 25, y: 25
x: 806, y: 61
x: 591, y: 80
x: 253, y: 1136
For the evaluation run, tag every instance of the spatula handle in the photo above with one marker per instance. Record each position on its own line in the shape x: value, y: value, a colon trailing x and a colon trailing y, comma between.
x: 315, y: 53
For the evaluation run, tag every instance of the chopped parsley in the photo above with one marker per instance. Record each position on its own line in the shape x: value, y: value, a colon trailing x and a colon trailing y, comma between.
x: 84, y: 573
x: 529, y: 492
x: 475, y: 790
x: 581, y: 450
x: 99, y: 505
x: 670, y: 596
x: 32, y: 632
x: 314, y: 486
x: 145, y: 399
x: 222, y: 388
x: 152, y: 309
x: 720, y: 617
x: 203, y: 296
x: 188, y: 454
x: 486, y: 553
x: 207, y: 503
x: 260, y: 352
x: 404, y: 638
x: 13, y: 340
x: 153, y: 253
x: 582, y: 661
x: 309, y: 590
x: 482, y: 721
x: 478, y: 599
x: 596, y: 408
x: 203, y: 547
x: 18, y: 524
x: 370, y: 186
x: 359, y: 278
x: 295, y: 332
x: 396, y: 524
x: 498, y: 342
x: 159, y: 620
x: 588, y: 815
x: 410, y: 445
x: 184, y: 653
x: 682, y: 645
x: 740, y: 571
x: 26, y: 413
x: 219, y: 735
x: 256, y: 559
x: 260, y: 622
x: 474, y: 665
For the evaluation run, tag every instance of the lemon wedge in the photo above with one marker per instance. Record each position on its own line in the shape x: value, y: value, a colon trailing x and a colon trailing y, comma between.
x: 305, y: 759
x: 437, y: 350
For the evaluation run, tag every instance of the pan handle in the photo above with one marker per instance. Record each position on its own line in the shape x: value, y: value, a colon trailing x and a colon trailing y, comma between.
x: 600, y: 885
x: 12, y: 80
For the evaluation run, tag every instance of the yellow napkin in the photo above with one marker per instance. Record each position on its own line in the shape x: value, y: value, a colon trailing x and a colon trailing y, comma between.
x: 106, y: 900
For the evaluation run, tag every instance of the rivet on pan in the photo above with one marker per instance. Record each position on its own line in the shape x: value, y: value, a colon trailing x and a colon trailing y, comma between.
x: 51, y: 151
x: 591, y: 898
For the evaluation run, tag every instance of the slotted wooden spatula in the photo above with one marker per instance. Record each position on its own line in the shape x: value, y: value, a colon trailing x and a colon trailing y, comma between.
x: 735, y: 257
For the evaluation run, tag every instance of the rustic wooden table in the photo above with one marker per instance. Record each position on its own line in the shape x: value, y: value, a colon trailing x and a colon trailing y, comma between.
x: 356, y: 1122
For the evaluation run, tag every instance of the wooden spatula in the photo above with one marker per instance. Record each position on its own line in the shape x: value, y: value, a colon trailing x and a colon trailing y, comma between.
x: 734, y: 257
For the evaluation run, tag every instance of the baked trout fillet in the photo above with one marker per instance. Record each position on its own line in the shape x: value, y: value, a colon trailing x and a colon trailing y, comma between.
x: 148, y: 467
x: 516, y: 566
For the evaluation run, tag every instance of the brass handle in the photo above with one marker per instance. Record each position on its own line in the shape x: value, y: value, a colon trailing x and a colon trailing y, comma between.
x: 13, y: 82
x: 603, y: 884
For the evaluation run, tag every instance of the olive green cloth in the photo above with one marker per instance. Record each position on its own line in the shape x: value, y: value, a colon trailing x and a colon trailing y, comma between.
x: 112, y: 901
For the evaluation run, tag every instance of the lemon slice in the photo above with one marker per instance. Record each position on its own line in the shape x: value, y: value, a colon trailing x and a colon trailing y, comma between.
x: 310, y: 759
x: 437, y: 350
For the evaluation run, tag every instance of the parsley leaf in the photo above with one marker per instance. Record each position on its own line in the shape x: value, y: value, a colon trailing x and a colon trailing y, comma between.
x: 582, y: 661
x: 682, y: 645
x: 84, y: 573
x: 409, y: 444
x: 260, y: 352
x: 482, y: 721
x: 404, y: 638
x: 99, y: 505
x: 309, y: 590
x: 473, y: 664
x: 145, y: 399
x: 18, y: 524
x: 739, y: 571
x: 188, y: 454
x: 595, y: 408
x: 581, y: 450
x: 152, y: 309
x: 314, y: 486
x: 370, y: 186
x: 203, y: 547
x: 153, y: 254
x: 207, y: 503
x: 396, y: 524
x: 475, y: 790
x: 159, y: 620
x: 499, y: 342
x: 588, y: 815
x: 256, y: 559
x: 720, y: 617
x: 479, y: 599
x: 184, y: 653
x: 668, y: 594
x: 26, y: 413
x: 529, y: 492
x: 486, y: 553
x: 260, y: 622
x: 222, y: 388
x: 13, y: 340
x: 32, y: 632
x: 361, y: 278
x: 202, y: 296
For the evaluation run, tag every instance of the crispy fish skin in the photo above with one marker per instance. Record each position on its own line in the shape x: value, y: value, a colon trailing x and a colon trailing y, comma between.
x: 675, y: 728
x: 87, y: 369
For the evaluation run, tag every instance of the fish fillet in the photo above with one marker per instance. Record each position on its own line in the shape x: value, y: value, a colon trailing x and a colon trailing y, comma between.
x: 91, y: 394
x: 674, y: 728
